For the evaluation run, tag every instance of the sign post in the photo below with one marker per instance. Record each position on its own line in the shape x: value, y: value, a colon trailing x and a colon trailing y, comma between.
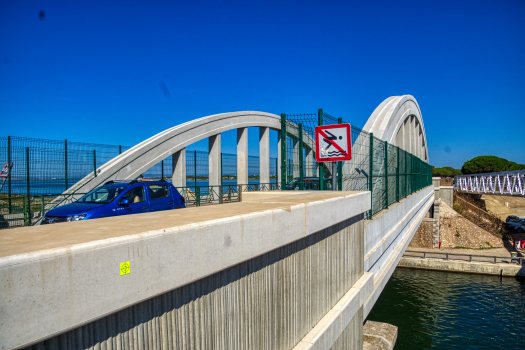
x: 333, y: 143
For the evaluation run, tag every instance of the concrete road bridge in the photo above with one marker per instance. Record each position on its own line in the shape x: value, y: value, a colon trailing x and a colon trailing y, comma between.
x: 505, y: 183
x: 277, y: 270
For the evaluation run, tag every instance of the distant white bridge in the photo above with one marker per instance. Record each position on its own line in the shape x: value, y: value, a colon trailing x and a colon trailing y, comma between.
x: 506, y: 183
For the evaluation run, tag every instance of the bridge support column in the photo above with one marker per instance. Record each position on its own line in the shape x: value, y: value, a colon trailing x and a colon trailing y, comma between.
x: 178, y: 161
x: 242, y: 156
x: 214, y: 157
x: 264, y: 155
x: 309, y: 162
x: 279, y: 157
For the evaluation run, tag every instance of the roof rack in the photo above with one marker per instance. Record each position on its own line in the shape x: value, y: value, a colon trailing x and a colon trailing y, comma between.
x: 115, y: 182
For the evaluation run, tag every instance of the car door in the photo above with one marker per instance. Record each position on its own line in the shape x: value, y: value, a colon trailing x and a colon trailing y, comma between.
x: 137, y: 202
x: 160, y: 197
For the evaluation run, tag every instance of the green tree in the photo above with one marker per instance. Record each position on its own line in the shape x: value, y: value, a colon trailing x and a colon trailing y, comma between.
x: 489, y: 164
x: 446, y: 171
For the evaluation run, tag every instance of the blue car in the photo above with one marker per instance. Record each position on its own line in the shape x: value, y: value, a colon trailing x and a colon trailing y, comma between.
x: 117, y: 198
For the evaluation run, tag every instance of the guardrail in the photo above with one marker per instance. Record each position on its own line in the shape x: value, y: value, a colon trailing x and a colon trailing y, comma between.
x: 467, y: 257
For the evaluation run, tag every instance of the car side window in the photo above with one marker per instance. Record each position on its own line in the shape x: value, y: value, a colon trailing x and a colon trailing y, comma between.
x: 158, y: 191
x: 135, y: 195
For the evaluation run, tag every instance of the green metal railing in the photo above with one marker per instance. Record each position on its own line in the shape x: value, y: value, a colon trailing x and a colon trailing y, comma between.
x: 43, y: 169
x: 388, y: 172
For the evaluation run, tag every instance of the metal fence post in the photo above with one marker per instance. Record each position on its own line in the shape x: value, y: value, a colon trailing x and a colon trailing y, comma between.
x: 162, y: 170
x: 371, y: 174
x: 397, y: 173
x: 195, y: 169
x: 65, y: 163
x: 320, y: 165
x: 43, y: 205
x: 9, y: 168
x: 386, y: 175
x: 220, y: 193
x: 301, y: 161
x: 340, y: 166
x: 119, y: 149
x: 221, y: 175
x: 283, y: 151
x: 95, y: 162
x: 197, y: 196
x: 28, y: 194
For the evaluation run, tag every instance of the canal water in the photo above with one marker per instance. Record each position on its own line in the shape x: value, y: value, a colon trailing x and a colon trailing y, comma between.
x: 444, y: 310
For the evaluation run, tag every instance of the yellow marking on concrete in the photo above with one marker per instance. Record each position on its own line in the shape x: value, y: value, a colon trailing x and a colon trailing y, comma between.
x: 125, y: 268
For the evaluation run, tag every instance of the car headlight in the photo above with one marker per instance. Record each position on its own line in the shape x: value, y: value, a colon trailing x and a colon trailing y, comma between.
x: 77, y: 217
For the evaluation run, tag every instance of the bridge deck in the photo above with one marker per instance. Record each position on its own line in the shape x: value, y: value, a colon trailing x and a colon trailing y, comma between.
x: 26, y: 240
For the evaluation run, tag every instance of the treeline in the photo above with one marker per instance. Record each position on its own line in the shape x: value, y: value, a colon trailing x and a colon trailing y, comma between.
x: 478, y: 165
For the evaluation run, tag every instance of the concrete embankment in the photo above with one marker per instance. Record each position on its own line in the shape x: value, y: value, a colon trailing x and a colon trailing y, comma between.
x: 484, y: 268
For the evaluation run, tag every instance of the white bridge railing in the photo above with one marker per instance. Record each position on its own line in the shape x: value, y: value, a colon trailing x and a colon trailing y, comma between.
x: 501, y: 183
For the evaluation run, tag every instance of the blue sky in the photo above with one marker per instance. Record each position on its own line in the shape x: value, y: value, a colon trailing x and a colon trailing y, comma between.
x: 118, y: 72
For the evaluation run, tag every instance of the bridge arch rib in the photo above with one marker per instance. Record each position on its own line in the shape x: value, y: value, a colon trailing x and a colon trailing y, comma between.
x: 143, y: 156
x: 398, y: 120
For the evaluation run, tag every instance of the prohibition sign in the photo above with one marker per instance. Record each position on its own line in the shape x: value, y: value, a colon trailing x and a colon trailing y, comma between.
x: 333, y: 143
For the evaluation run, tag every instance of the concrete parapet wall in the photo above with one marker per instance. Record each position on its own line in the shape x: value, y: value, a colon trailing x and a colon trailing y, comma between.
x: 446, y: 194
x: 388, y: 235
x: 266, y: 271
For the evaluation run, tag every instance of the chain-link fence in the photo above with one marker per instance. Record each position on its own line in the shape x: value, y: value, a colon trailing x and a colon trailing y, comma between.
x: 43, y: 169
x: 389, y: 172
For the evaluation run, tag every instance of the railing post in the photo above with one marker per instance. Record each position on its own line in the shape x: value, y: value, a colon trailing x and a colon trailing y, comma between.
x: 65, y: 163
x: 220, y: 192
x: 197, y: 196
x: 119, y: 149
x: 386, y: 175
x: 42, y: 204
x: 195, y: 169
x: 283, y: 151
x: 320, y: 165
x: 340, y: 166
x: 9, y: 173
x: 397, y: 174
x: 221, y: 171
x: 28, y: 194
x: 371, y: 174
x: 301, y: 161
x: 162, y: 170
x: 95, y: 162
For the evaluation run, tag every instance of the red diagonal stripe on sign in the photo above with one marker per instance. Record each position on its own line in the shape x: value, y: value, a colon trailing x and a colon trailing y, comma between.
x: 321, y: 132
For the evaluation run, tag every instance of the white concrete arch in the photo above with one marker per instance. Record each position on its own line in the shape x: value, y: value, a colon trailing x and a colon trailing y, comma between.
x: 398, y: 120
x: 173, y: 141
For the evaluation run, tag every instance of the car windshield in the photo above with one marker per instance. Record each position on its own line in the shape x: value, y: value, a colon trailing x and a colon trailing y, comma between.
x: 102, y: 195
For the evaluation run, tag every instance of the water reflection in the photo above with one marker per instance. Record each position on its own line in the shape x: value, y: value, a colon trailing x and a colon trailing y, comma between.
x: 442, y: 310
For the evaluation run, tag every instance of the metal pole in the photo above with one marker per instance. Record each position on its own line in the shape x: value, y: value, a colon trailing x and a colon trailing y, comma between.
x: 320, y: 165
x: 340, y: 166
x: 301, y: 161
x: 334, y: 176
x: 95, y: 163
x: 65, y: 163
x: 371, y: 174
x: 283, y: 151
x: 386, y: 175
x: 195, y: 170
x: 28, y: 208
x: 119, y: 149
x: 221, y: 174
x: 9, y: 173
x: 162, y: 170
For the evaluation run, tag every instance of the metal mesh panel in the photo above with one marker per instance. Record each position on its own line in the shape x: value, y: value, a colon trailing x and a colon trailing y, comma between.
x: 356, y: 171
x: 392, y: 174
